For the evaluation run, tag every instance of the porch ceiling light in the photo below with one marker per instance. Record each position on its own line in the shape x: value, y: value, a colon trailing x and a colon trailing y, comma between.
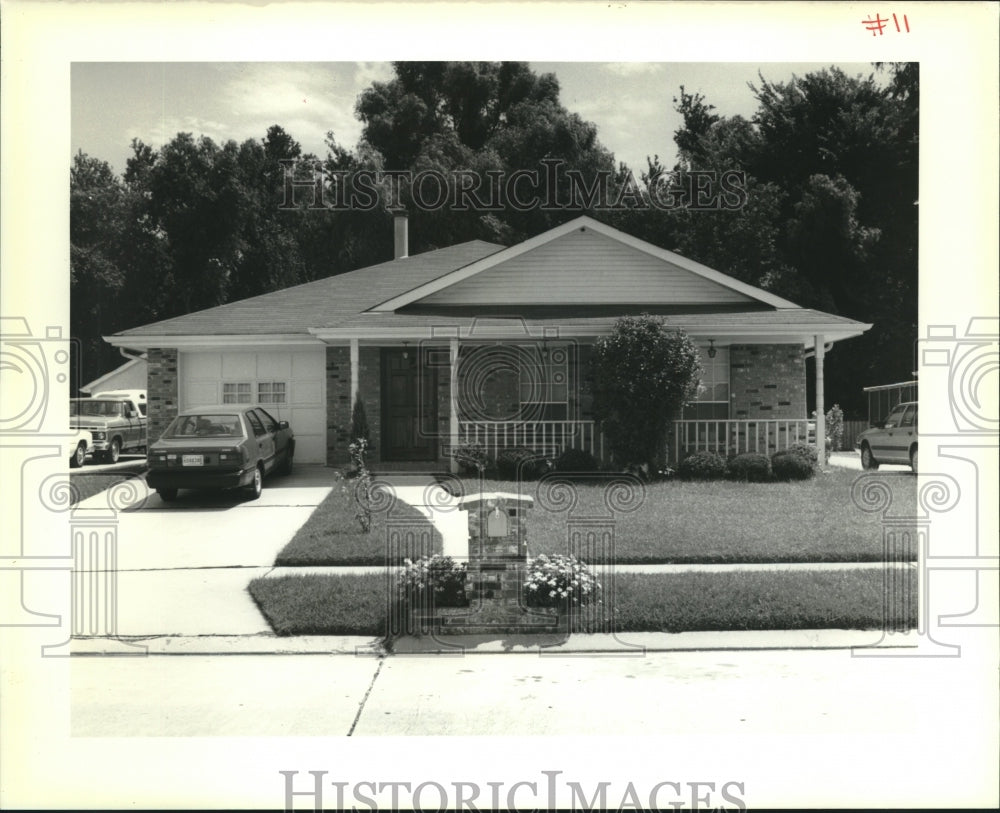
x: 711, y: 348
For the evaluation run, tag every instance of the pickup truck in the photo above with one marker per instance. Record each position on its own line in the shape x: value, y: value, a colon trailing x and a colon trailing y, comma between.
x: 116, y: 425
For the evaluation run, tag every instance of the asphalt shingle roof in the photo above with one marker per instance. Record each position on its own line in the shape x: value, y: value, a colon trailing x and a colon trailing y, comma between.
x: 323, y: 303
x: 340, y: 302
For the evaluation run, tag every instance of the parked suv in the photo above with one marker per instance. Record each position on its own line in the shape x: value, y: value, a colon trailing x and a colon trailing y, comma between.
x: 116, y: 425
x: 893, y: 440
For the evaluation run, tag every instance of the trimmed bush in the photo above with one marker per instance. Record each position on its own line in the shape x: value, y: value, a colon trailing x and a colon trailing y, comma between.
x: 576, y: 460
x: 519, y: 463
x: 807, y: 451
x: 750, y: 467
x: 702, y: 466
x: 790, y: 466
x: 472, y: 459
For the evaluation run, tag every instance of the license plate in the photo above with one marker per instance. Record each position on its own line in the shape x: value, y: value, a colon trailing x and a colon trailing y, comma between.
x: 192, y: 460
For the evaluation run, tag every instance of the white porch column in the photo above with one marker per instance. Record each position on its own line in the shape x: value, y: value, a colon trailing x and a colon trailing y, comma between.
x: 453, y: 402
x: 354, y: 372
x: 820, y: 404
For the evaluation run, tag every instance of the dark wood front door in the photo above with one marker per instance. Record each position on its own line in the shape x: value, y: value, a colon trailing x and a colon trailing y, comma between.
x: 409, y: 406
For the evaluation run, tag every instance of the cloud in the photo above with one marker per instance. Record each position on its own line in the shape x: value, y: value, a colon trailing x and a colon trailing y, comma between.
x: 168, y: 127
x: 633, y: 68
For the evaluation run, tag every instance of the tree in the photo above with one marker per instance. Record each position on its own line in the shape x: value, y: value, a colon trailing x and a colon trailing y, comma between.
x: 641, y: 377
x: 97, y: 224
x: 830, y: 221
x: 480, y: 117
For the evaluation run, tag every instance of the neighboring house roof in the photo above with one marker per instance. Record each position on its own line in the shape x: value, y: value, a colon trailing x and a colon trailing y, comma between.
x: 579, y: 277
x: 130, y: 375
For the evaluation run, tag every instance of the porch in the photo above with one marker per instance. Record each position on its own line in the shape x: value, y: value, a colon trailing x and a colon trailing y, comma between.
x: 725, y: 437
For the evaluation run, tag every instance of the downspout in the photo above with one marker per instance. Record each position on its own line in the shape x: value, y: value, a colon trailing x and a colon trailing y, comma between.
x: 125, y: 354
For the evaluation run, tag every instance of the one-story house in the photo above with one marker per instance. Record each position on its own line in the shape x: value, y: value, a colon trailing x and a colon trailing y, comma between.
x: 129, y: 376
x: 487, y: 343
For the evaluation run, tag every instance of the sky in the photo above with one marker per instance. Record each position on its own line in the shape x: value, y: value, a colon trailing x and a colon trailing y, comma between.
x: 630, y: 102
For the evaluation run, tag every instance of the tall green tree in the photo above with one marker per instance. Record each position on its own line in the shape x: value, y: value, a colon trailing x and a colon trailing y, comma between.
x: 830, y: 220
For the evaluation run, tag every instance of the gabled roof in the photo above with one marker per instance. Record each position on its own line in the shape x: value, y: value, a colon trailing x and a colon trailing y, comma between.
x: 322, y: 303
x: 419, y: 295
x: 666, y: 260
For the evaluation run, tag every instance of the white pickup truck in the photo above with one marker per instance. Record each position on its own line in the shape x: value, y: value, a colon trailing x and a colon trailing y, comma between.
x: 115, y: 423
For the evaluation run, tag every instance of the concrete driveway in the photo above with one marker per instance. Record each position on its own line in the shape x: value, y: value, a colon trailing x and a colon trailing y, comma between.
x: 183, y: 567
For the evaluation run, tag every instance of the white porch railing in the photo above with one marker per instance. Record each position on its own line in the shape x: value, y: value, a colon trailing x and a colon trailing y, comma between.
x: 544, y: 437
x: 734, y: 437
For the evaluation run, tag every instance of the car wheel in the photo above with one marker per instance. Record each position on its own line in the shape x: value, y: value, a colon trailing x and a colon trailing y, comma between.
x: 868, y: 460
x: 167, y: 494
x: 256, y: 485
x: 79, y: 456
x: 113, y: 452
x: 913, y: 460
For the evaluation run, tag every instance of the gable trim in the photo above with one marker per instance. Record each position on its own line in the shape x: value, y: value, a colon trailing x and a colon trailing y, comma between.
x: 583, y: 222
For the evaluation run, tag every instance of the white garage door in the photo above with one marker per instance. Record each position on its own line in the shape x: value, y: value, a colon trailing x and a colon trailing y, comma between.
x: 288, y: 383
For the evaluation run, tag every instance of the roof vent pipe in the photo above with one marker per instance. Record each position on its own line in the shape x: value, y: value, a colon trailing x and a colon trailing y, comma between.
x: 401, y: 233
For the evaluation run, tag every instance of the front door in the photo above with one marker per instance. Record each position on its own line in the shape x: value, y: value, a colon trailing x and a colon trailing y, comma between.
x: 409, y: 406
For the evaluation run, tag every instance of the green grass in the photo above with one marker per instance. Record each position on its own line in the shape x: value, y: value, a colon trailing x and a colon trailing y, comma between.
x: 333, y: 536
x: 727, y: 522
x: 322, y: 605
x: 775, y: 600
x: 86, y: 484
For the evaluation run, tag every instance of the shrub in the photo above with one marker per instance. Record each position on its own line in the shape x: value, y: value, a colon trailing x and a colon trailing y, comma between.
x: 557, y: 580
x: 517, y: 462
x: 359, y: 423
x: 472, y: 459
x: 576, y: 460
x: 702, y: 466
x: 750, y: 467
x: 807, y: 451
x: 438, y: 576
x: 788, y: 465
x: 835, y: 428
x: 641, y: 376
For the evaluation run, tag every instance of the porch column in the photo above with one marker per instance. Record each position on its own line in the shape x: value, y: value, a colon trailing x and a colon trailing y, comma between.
x: 354, y: 373
x: 820, y: 406
x: 453, y: 402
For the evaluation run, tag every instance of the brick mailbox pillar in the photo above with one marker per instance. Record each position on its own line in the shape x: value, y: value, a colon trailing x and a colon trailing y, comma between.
x: 498, y: 554
x: 498, y: 545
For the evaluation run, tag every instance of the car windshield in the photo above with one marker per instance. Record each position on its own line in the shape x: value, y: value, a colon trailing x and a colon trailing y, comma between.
x: 200, y: 426
x: 101, y: 409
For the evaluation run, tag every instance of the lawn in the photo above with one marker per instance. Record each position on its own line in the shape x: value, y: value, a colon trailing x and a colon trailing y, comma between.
x: 738, y: 600
x: 332, y: 535
x: 86, y: 484
x: 676, y: 522
x: 722, y: 522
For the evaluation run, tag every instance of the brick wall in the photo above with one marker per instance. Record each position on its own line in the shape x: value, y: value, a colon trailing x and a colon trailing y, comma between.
x: 338, y: 405
x: 161, y: 389
x: 767, y: 381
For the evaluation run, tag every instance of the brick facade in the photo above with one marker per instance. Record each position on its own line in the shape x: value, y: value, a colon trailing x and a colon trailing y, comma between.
x: 338, y: 405
x: 767, y: 381
x: 161, y: 389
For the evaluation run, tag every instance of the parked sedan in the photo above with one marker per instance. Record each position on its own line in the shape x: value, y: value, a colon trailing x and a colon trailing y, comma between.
x: 893, y: 440
x: 220, y: 447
